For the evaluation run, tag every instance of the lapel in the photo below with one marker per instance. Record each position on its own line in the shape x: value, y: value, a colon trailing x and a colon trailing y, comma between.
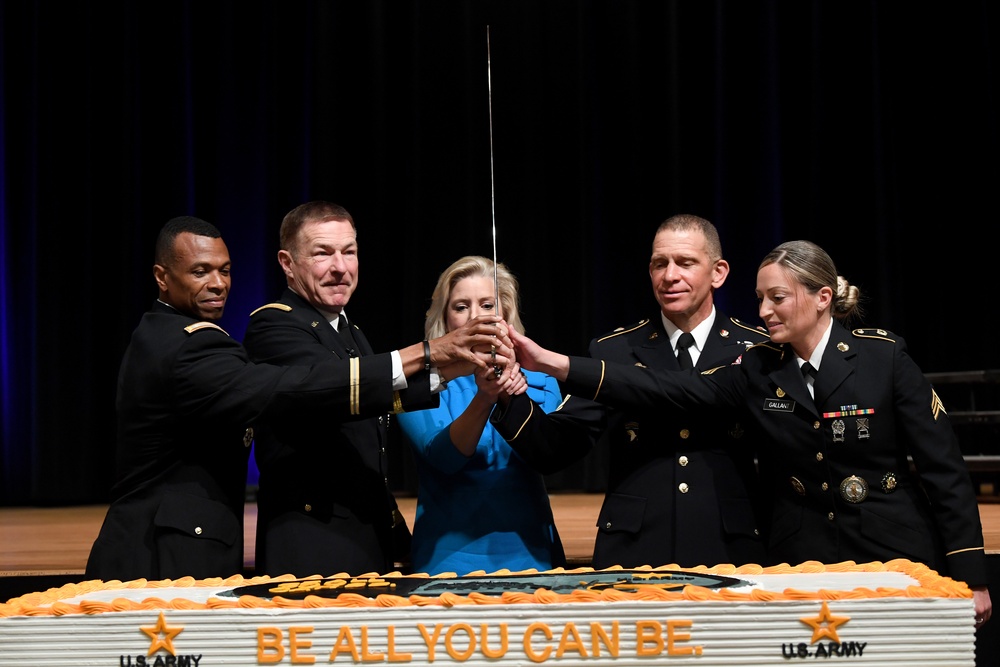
x: 313, y: 320
x: 787, y: 376
x: 651, y: 346
x: 719, y: 348
x: 364, y: 348
x: 838, y: 363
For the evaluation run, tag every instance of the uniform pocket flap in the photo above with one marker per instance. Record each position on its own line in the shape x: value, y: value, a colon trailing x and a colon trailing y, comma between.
x: 198, y: 517
x: 738, y: 517
x: 621, y: 514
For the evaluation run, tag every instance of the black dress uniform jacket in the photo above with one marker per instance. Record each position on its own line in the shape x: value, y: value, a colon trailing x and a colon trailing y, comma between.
x: 837, y: 466
x: 323, y: 503
x: 682, y: 485
x: 186, y: 403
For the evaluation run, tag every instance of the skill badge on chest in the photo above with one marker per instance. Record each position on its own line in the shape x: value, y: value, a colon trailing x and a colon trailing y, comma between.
x: 839, y: 426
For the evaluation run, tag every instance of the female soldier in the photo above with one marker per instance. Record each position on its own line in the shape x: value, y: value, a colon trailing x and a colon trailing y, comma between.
x: 844, y: 409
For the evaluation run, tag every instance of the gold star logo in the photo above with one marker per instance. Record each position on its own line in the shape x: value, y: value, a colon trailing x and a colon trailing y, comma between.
x: 161, y: 636
x: 825, y: 625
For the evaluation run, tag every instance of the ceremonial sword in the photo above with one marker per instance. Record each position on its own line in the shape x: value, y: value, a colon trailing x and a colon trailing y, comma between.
x: 493, y: 214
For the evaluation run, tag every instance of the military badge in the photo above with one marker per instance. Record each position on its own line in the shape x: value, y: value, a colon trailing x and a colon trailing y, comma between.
x: 854, y: 489
x: 838, y: 430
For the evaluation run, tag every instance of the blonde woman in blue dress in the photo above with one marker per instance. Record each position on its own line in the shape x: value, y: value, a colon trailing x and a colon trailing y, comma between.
x: 479, y: 505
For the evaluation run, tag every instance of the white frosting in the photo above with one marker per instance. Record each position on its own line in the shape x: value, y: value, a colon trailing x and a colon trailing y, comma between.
x: 893, y: 621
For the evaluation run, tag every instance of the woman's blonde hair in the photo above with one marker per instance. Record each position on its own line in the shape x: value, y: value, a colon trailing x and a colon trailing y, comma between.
x: 471, y: 266
x: 814, y: 268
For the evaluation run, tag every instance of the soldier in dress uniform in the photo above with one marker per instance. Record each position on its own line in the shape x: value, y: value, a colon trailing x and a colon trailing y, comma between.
x: 187, y: 404
x: 843, y: 410
x: 682, y: 486
x: 323, y: 501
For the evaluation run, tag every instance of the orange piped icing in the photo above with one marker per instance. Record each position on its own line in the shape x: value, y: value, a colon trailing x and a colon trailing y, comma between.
x: 53, y: 602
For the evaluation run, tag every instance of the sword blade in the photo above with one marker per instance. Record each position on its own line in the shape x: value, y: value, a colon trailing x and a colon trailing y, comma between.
x: 493, y: 212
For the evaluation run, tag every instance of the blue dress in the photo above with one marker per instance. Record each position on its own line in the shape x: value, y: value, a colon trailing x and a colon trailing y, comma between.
x: 486, y: 512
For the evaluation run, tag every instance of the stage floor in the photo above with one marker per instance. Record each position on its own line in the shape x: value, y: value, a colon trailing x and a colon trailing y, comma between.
x: 56, y: 541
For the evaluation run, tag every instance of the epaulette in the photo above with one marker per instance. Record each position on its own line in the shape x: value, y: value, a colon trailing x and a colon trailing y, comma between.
x: 758, y: 329
x: 765, y: 343
x: 198, y: 326
x: 279, y: 306
x: 877, y: 334
x: 623, y: 330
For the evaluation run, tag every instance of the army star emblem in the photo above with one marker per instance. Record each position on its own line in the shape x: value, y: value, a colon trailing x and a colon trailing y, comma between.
x: 825, y: 625
x: 161, y: 636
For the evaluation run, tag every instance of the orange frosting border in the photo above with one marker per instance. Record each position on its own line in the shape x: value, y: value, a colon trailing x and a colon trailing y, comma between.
x: 48, y: 603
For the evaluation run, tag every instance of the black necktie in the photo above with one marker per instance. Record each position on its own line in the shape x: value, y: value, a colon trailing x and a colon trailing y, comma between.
x: 344, y: 329
x: 809, y: 375
x: 683, y: 356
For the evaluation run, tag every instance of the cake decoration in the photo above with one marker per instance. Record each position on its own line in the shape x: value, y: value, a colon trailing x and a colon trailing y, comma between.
x: 869, y: 614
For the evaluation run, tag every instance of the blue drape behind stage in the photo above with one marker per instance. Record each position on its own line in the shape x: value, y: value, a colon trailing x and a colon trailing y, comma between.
x: 870, y: 127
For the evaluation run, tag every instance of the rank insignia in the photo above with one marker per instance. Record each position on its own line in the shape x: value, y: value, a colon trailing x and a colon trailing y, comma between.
x: 937, y: 407
x: 854, y: 489
x: 314, y: 324
x: 838, y: 430
x: 889, y: 482
x: 863, y: 431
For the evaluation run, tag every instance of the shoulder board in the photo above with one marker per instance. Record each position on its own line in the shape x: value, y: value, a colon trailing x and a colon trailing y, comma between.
x: 711, y: 370
x: 279, y: 306
x: 877, y: 334
x: 758, y: 329
x: 624, y: 330
x: 198, y: 326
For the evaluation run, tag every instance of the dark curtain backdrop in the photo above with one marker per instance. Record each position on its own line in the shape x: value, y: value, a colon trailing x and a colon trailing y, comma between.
x: 869, y: 127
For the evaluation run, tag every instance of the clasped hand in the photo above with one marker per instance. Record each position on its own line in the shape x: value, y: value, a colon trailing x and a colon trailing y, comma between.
x: 481, y: 343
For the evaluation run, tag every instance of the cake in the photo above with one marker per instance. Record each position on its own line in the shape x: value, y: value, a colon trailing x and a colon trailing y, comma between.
x: 895, y: 613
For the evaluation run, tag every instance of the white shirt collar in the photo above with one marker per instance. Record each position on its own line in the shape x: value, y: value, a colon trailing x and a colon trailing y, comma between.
x: 700, y: 333
x: 817, y: 354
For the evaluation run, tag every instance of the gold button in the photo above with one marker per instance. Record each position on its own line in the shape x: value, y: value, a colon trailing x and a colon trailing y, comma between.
x: 197, y: 531
x: 825, y: 486
x: 685, y: 434
x: 830, y: 516
x: 308, y: 507
x: 756, y: 532
x: 819, y: 456
x: 608, y: 525
x: 816, y: 425
x: 682, y: 487
x: 683, y: 460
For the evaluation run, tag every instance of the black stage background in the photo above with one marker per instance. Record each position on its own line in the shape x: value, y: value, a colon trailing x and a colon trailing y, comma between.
x: 870, y: 127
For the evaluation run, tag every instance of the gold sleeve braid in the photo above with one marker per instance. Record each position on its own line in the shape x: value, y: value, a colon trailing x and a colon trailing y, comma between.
x: 531, y: 411
x: 355, y: 386
x: 601, y: 383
